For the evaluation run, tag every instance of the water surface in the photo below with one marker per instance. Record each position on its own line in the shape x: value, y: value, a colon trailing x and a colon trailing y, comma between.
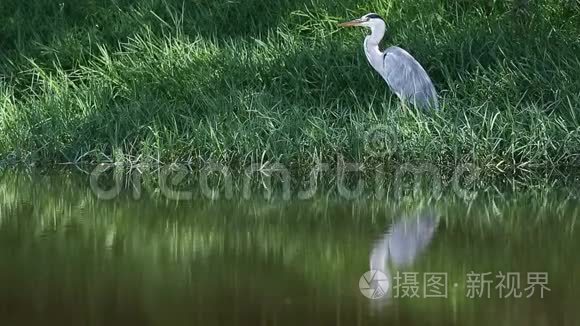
x: 68, y: 257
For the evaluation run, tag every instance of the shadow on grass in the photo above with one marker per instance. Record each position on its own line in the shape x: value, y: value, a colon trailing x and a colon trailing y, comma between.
x: 73, y: 26
x: 467, y: 44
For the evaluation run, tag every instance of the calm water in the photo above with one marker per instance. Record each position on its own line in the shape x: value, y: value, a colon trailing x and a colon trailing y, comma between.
x: 68, y: 258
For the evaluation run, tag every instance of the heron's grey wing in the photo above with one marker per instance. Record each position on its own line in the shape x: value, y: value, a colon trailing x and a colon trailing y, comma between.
x: 409, y: 237
x: 404, y: 241
x: 408, y: 79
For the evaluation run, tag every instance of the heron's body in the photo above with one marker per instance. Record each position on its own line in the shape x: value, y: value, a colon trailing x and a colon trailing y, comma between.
x: 401, y: 245
x: 404, y: 241
x: 404, y: 75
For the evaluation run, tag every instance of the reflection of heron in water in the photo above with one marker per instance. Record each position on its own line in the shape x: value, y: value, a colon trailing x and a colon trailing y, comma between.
x: 403, y: 242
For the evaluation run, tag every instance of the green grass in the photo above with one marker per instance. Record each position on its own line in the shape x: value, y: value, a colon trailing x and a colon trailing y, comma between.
x: 237, y: 82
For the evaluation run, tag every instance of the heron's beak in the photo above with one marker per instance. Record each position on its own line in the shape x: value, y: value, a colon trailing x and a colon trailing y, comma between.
x: 356, y: 22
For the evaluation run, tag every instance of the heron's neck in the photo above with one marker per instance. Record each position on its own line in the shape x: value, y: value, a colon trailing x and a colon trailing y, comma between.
x: 371, y: 45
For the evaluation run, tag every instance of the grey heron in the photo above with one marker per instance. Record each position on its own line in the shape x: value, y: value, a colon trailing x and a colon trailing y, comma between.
x: 404, y: 75
x: 404, y: 241
x: 402, y: 244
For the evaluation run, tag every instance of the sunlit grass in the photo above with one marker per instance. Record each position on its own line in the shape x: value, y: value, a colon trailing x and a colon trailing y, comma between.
x: 236, y: 83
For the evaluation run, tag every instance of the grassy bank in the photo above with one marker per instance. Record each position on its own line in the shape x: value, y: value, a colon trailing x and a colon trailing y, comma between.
x: 253, y: 81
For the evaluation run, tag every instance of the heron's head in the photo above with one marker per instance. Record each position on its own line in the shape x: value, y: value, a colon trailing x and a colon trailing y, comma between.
x: 372, y: 21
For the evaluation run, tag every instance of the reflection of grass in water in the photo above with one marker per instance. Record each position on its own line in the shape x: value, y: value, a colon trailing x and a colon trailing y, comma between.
x: 235, y: 82
x: 156, y: 233
x: 134, y: 246
x: 197, y: 229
